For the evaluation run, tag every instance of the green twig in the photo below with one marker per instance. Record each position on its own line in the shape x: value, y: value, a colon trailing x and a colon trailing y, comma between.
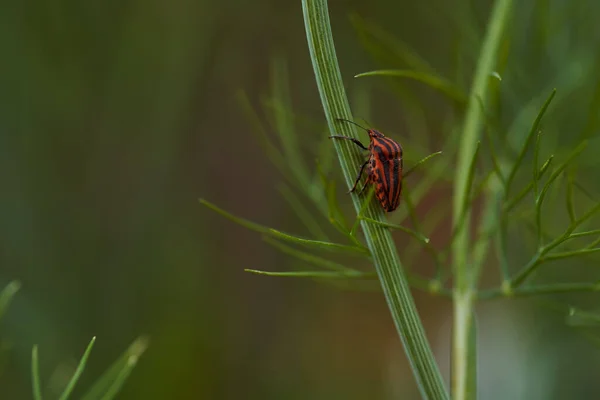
x: 464, y: 294
x: 379, y: 240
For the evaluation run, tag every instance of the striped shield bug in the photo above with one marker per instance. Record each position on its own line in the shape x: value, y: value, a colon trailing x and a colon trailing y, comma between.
x: 384, y: 167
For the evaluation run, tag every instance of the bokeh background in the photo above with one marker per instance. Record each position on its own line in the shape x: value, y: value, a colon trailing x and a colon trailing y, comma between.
x: 116, y: 116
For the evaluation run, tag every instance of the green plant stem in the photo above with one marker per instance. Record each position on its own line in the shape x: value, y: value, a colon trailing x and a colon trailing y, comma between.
x: 464, y: 293
x: 379, y: 240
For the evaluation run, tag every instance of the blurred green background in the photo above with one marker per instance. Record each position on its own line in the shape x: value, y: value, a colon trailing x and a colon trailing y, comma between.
x: 116, y: 116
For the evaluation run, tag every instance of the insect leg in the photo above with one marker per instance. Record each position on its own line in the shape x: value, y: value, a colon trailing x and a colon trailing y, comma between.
x: 365, y: 185
x: 356, y: 141
x: 359, y: 175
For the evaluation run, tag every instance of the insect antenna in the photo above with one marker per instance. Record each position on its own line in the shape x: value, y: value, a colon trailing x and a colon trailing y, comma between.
x: 366, y: 122
x: 352, y: 122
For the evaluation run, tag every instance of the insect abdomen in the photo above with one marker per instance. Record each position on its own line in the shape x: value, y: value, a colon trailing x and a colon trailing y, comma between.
x: 386, y: 172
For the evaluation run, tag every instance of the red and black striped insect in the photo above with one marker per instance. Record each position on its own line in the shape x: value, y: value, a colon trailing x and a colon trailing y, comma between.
x: 384, y: 167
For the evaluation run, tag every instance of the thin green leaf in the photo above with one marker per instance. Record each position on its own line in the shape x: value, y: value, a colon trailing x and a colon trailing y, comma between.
x: 436, y: 82
x: 584, y: 234
x: 240, y: 221
x: 593, y: 244
x: 35, y: 374
x: 353, y: 274
x: 6, y: 296
x: 420, y: 162
x: 540, y: 199
x: 284, y: 236
x: 319, y: 244
x: 111, y: 381
x: 532, y: 131
x: 404, y: 229
x: 569, y: 254
x: 512, y: 203
x: 389, y: 50
x: 589, y: 214
x: 306, y: 257
x: 78, y: 371
x: 545, y: 166
x: 542, y: 254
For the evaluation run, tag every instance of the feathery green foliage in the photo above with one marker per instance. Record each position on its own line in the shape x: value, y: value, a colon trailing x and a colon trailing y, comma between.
x: 490, y: 175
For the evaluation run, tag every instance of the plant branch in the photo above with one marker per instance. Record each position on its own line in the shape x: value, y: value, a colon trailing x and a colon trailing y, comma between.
x: 379, y: 240
x: 464, y: 295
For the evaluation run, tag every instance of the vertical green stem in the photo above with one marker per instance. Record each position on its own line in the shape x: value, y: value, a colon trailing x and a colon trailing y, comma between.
x: 379, y: 240
x: 464, y: 294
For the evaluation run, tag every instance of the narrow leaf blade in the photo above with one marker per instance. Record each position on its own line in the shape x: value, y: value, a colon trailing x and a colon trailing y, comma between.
x: 109, y: 384
x: 78, y: 371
